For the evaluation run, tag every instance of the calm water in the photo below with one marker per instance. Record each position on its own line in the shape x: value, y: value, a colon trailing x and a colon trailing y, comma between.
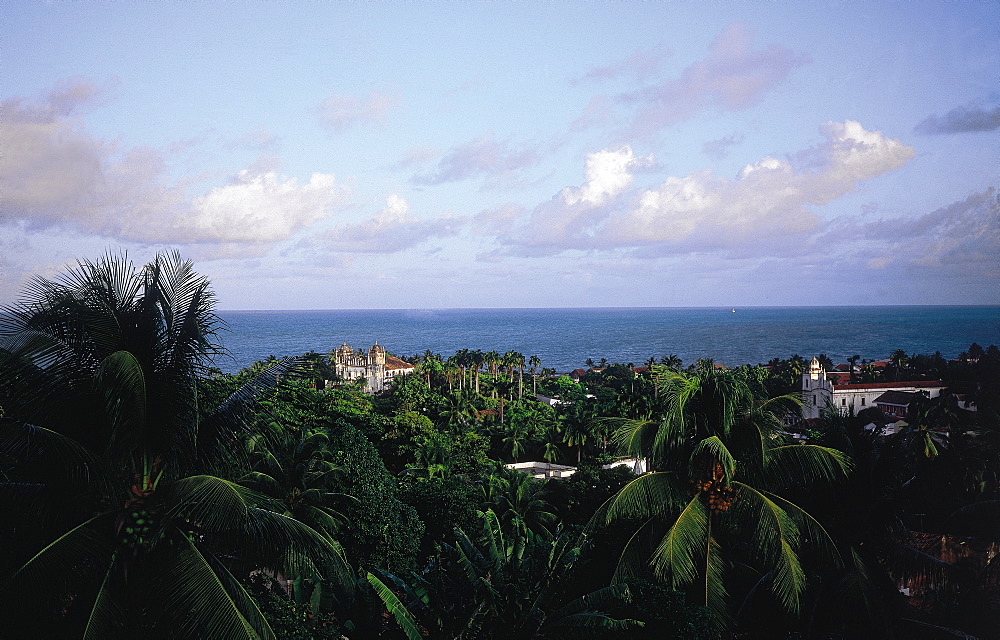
x: 564, y: 338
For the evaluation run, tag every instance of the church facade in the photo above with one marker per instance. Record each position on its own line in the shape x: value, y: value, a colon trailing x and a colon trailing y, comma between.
x: 375, y: 367
x: 818, y: 391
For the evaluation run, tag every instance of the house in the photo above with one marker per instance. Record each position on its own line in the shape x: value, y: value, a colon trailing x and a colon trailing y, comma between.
x: 376, y: 367
x: 543, y: 470
x: 637, y: 466
x: 820, y: 389
x: 896, y: 403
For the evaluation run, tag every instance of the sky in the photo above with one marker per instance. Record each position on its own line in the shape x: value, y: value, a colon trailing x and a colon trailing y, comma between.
x: 337, y: 155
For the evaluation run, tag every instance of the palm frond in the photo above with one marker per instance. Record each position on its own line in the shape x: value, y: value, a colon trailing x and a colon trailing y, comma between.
x: 24, y: 442
x: 716, y: 595
x: 815, y: 532
x: 89, y: 541
x: 684, y: 544
x: 712, y: 448
x: 652, y: 495
x: 792, y: 465
x: 634, y: 558
x: 774, y: 536
x: 572, y: 625
x: 196, y: 601
x: 107, y: 617
x: 636, y: 438
x: 402, y: 615
x: 242, y: 600
x: 122, y: 383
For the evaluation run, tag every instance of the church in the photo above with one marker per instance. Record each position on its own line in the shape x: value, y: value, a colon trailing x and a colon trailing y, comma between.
x: 376, y: 367
x: 818, y: 391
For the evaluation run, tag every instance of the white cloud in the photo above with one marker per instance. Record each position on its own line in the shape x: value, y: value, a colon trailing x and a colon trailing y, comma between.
x: 261, y: 208
x: 768, y: 202
x: 55, y: 174
x: 566, y: 220
x: 392, y: 229
x: 339, y: 112
x: 608, y: 173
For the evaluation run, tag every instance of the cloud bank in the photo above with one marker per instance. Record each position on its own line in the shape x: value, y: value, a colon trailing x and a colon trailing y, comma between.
x: 55, y: 174
x: 733, y: 77
x: 769, y: 201
x: 965, y: 119
x: 391, y: 230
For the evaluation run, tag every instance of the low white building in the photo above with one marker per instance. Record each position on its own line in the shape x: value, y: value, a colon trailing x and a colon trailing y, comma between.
x: 818, y: 391
x: 543, y: 470
x: 637, y: 466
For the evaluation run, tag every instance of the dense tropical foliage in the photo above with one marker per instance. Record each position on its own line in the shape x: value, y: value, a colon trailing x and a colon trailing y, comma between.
x: 147, y: 494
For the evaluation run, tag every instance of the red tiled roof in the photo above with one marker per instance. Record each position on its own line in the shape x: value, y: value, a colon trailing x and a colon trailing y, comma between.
x: 916, y: 384
x: 898, y: 398
x: 392, y: 362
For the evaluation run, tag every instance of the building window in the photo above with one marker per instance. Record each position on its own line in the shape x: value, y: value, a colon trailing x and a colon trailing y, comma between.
x: 843, y: 402
x: 862, y: 402
x: 814, y: 400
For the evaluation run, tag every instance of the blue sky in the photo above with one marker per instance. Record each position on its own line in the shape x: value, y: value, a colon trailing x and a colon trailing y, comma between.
x: 510, y: 154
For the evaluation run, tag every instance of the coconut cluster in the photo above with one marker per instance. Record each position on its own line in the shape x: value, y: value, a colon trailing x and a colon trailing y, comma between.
x: 717, y: 492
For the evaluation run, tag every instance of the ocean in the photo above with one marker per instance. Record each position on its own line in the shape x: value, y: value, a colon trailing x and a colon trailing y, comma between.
x: 563, y: 339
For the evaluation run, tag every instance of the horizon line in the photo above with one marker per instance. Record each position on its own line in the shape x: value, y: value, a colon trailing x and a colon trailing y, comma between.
x: 618, y: 307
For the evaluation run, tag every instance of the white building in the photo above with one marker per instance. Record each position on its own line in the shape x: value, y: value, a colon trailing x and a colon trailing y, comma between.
x: 818, y: 391
x: 543, y: 470
x: 376, y: 367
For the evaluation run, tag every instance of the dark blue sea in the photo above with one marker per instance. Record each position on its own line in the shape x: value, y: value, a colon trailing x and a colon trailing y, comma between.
x: 564, y: 338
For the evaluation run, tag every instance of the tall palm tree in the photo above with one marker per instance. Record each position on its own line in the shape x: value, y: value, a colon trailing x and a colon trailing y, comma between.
x: 899, y: 361
x: 853, y: 360
x: 101, y: 369
x: 576, y: 422
x: 534, y: 362
x: 714, y: 498
x: 518, y: 360
x: 477, y: 358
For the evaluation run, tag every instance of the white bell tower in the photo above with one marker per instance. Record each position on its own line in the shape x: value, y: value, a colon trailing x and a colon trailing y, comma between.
x: 816, y: 390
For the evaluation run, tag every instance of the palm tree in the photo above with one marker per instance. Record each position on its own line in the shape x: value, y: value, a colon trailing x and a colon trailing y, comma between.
x: 477, y: 358
x: 853, y: 360
x: 518, y: 360
x: 522, y: 508
x: 899, y: 362
x: 101, y: 369
x: 494, y: 584
x: 672, y: 361
x: 534, y: 362
x: 576, y: 426
x: 714, y: 496
x: 298, y: 470
x: 553, y: 438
